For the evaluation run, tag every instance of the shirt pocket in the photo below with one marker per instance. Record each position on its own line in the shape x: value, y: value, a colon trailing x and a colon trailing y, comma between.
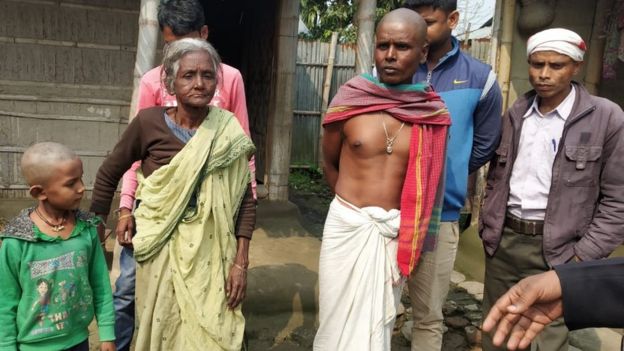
x: 583, y: 166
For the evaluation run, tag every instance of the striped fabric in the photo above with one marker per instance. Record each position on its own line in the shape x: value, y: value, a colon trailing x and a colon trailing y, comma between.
x: 423, y: 187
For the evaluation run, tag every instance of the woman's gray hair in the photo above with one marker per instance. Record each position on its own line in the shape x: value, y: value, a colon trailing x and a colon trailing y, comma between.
x: 177, y: 49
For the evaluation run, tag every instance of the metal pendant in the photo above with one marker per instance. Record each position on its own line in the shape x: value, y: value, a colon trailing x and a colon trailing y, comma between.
x: 58, y: 228
x: 389, y: 149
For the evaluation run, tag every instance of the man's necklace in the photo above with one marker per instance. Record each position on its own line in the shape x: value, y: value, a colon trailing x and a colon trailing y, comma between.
x: 55, y: 227
x: 390, y: 140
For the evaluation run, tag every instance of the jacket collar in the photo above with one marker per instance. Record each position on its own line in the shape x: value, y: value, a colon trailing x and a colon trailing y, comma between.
x: 21, y: 226
x: 583, y: 103
x: 563, y: 110
x: 454, y: 52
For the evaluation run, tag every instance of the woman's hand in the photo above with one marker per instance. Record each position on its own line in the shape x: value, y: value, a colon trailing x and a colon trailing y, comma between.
x: 125, y: 228
x: 107, y: 346
x: 236, y: 285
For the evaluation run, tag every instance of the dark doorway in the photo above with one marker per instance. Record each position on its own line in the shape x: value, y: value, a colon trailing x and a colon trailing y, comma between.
x: 244, y: 33
x: 225, y: 22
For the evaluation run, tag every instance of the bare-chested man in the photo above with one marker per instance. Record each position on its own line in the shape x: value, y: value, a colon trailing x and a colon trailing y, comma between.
x: 383, y: 146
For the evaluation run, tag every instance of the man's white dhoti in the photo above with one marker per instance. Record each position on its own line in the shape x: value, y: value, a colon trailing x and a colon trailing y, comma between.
x: 359, y: 281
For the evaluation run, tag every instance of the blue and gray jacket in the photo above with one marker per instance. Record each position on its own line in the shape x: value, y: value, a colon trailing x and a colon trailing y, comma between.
x: 471, y: 93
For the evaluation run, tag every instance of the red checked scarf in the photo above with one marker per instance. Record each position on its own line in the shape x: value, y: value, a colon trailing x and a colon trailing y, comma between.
x: 423, y: 187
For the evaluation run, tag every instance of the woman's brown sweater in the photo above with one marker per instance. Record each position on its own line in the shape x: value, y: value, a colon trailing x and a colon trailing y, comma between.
x: 149, y: 139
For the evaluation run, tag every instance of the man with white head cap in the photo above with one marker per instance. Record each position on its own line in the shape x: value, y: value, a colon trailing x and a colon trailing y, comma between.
x: 554, y: 193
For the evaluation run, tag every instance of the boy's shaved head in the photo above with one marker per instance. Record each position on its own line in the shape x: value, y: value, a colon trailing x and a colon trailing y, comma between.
x: 39, y: 159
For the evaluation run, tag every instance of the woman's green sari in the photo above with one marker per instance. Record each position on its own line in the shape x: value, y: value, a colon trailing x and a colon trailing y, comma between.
x: 185, y: 248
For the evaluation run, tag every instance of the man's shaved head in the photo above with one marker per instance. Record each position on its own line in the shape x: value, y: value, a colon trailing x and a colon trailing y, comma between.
x: 40, y: 159
x: 408, y: 17
x: 400, y: 46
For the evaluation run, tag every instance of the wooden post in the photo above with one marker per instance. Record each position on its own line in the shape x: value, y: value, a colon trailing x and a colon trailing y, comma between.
x: 365, y: 30
x: 504, y: 63
x: 282, y: 102
x: 481, y: 175
x: 329, y: 73
x: 496, y: 35
x: 466, y: 37
x: 146, y: 47
x: 596, y: 46
x: 479, y: 192
x: 466, y: 26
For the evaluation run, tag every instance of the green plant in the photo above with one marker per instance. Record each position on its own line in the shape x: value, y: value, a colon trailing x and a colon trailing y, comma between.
x: 322, y: 17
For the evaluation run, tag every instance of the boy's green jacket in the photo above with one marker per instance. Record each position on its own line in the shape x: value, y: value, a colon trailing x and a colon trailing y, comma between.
x: 52, y: 288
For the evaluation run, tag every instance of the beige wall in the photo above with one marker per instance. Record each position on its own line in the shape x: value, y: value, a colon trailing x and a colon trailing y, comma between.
x: 576, y: 15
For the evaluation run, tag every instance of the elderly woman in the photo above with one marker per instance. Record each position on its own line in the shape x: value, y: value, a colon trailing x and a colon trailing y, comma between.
x: 196, y: 211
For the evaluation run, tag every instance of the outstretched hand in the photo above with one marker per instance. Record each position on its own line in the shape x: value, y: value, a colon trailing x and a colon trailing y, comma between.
x: 523, y: 311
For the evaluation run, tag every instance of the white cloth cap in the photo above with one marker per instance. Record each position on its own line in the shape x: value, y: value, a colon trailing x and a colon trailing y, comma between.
x: 560, y: 40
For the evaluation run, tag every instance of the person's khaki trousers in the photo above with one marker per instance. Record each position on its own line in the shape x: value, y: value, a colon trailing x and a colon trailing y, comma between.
x: 428, y: 288
x: 517, y: 257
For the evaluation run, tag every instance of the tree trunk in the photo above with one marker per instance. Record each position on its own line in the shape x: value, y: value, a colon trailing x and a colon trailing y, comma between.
x: 146, y: 47
x: 366, y: 29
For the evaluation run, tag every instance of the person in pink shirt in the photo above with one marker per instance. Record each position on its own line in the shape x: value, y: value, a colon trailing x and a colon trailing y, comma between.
x: 177, y: 19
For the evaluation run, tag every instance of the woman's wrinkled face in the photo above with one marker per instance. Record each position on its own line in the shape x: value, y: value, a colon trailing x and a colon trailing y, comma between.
x: 196, y: 80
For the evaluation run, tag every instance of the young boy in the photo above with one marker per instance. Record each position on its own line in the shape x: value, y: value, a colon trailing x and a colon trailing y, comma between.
x: 53, y: 275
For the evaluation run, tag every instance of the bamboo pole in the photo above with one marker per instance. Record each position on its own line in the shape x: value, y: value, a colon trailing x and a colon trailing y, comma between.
x: 481, y: 174
x: 329, y: 73
x: 504, y: 63
x: 496, y: 35
x: 466, y: 37
x: 146, y: 47
x: 466, y: 26
x: 282, y: 102
x: 366, y: 28
x: 596, y: 46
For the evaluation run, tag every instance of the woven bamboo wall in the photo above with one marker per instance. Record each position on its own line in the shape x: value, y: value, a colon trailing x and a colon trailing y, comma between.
x: 65, y: 76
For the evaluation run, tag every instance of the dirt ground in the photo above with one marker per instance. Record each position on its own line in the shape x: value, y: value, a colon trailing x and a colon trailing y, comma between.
x: 312, y: 197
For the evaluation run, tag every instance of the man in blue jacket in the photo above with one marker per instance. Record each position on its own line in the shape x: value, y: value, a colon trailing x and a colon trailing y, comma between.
x: 469, y: 89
